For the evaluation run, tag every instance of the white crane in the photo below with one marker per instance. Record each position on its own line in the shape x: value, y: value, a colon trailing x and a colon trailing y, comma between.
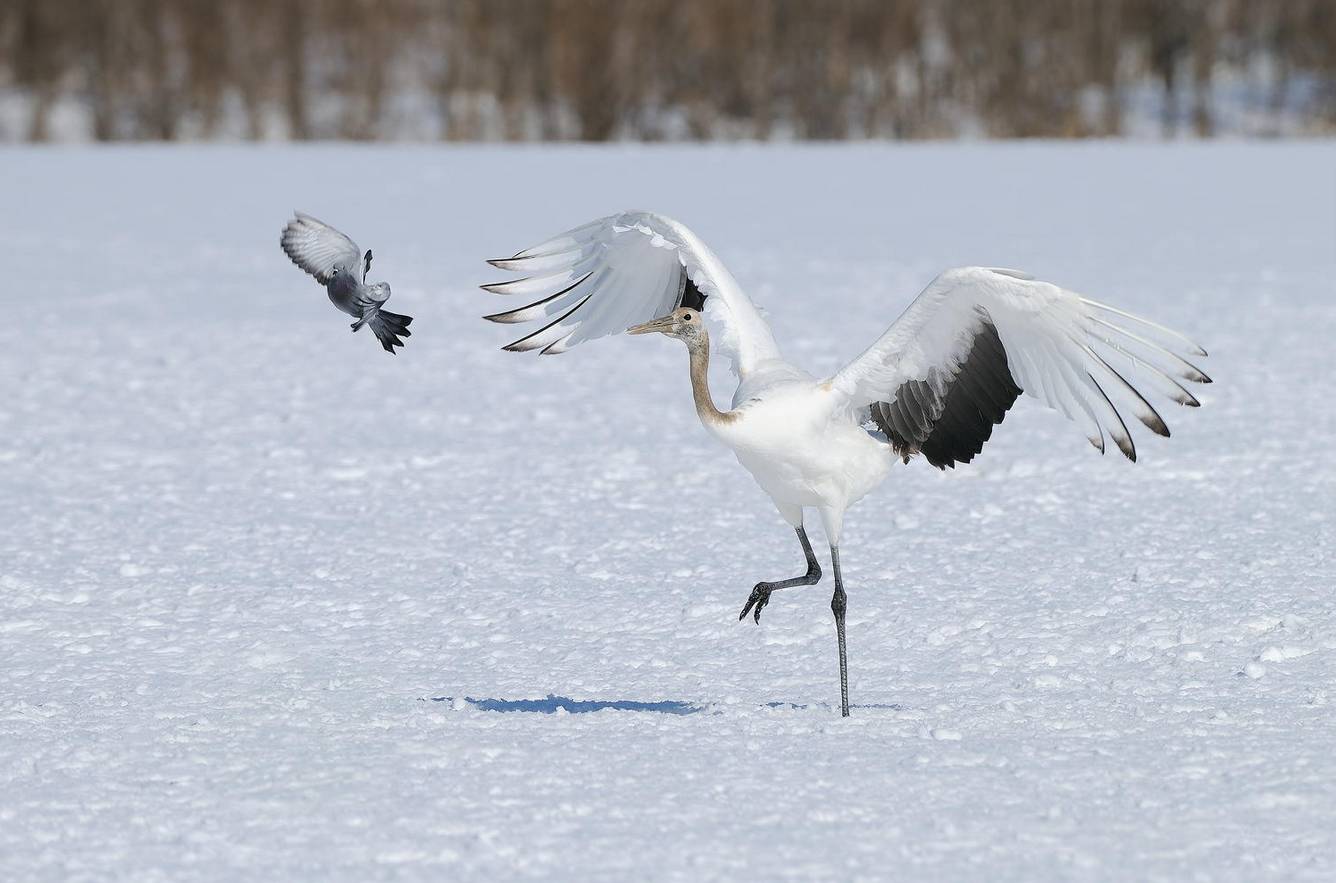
x: 934, y: 383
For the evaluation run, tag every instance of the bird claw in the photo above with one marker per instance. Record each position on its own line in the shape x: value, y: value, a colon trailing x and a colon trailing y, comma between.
x: 760, y: 597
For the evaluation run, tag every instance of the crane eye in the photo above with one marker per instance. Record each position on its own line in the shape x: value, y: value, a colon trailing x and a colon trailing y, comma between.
x: 686, y: 318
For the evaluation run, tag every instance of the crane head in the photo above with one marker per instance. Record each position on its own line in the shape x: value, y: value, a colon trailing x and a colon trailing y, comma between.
x: 683, y: 323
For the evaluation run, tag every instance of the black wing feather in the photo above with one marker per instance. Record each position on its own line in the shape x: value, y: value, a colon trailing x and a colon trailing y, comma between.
x: 951, y: 427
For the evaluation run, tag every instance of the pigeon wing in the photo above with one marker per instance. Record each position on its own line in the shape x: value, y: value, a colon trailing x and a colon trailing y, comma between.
x: 319, y: 249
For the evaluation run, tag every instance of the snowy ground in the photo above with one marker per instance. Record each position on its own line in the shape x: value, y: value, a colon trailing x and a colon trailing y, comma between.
x: 244, y: 552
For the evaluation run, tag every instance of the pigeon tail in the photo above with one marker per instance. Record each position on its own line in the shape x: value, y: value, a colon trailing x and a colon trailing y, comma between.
x: 388, y: 327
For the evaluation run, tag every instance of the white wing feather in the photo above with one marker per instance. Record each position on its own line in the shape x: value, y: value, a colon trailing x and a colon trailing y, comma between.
x: 1080, y: 357
x: 319, y: 249
x: 607, y: 275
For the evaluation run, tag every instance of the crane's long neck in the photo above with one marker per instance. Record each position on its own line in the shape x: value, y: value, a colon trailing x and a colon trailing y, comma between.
x: 699, y: 347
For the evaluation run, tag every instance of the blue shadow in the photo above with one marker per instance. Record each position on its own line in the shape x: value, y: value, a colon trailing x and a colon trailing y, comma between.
x: 799, y: 706
x: 552, y: 704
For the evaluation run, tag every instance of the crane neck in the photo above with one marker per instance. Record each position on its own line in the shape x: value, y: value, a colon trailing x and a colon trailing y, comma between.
x: 699, y: 348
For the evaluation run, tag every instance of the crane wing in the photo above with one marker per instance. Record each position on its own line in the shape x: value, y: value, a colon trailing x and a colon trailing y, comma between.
x: 605, y: 276
x: 951, y: 366
x: 319, y: 249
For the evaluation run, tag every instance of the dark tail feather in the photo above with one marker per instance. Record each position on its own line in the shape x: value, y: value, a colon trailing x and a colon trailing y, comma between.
x: 389, y: 327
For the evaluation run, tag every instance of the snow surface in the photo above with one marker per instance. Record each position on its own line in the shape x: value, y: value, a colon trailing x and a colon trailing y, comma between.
x: 275, y: 605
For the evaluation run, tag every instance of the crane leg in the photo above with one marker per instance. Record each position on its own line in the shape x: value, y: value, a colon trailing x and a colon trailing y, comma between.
x: 838, y: 604
x: 760, y: 595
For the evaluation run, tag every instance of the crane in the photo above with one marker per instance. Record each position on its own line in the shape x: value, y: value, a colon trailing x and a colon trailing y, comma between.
x: 933, y: 385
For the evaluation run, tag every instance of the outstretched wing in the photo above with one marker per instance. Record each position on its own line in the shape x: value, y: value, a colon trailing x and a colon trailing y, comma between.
x: 605, y: 276
x: 951, y: 366
x: 319, y: 249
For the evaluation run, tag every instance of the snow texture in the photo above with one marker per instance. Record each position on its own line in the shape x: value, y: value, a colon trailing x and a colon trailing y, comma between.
x: 274, y: 605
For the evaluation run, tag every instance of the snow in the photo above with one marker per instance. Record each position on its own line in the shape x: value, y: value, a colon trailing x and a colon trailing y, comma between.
x: 275, y: 605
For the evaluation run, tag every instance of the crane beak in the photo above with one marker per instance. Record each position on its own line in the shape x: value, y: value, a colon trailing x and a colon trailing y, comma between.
x: 663, y: 324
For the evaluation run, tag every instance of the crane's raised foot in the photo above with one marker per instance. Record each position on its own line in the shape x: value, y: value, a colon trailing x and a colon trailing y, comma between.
x: 760, y: 597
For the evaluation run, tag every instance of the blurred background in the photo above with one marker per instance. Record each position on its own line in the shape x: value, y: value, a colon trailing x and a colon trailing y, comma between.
x: 654, y: 70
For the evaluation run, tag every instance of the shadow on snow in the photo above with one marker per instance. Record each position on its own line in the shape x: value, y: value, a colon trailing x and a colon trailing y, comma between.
x: 552, y: 704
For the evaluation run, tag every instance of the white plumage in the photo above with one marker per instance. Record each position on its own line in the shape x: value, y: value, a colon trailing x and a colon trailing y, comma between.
x: 1050, y: 336
x: 935, y: 383
x: 605, y: 276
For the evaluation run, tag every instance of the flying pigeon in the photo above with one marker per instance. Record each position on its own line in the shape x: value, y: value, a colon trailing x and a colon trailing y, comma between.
x: 338, y: 264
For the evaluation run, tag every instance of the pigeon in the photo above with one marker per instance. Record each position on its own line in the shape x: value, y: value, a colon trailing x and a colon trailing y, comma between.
x: 338, y: 264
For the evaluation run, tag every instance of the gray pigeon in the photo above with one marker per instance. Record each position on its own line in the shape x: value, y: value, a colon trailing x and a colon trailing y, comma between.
x: 338, y: 264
